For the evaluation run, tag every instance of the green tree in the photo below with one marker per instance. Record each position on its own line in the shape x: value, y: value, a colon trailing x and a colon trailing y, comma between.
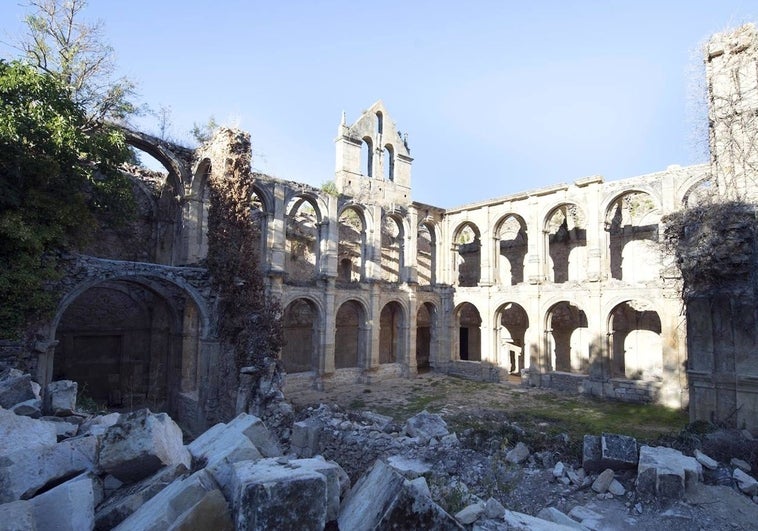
x: 58, y: 178
x: 59, y: 43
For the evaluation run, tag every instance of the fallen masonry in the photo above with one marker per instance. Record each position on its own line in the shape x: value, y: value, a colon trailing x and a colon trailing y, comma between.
x: 338, y: 471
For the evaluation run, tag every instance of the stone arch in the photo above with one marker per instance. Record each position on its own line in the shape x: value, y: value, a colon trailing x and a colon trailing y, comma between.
x: 511, y: 247
x: 393, y: 247
x: 426, y: 253
x: 566, y: 242
x: 636, y: 346
x: 303, y: 239
x: 426, y: 336
x: 632, y: 220
x: 568, y: 338
x: 351, y: 247
x: 388, y: 162
x: 367, y: 156
x: 698, y: 191
x: 351, y: 338
x: 143, y: 350
x: 196, y: 214
x: 301, y: 323
x: 260, y: 212
x: 512, y: 324
x: 468, y: 326
x: 392, y: 321
x: 467, y: 255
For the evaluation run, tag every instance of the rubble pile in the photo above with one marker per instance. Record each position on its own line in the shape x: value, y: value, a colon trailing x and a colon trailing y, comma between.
x: 63, y: 469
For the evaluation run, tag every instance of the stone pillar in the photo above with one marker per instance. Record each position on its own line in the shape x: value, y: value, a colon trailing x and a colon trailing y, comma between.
x: 534, y: 269
x: 328, y: 330
x: 409, y: 336
x: 409, y: 273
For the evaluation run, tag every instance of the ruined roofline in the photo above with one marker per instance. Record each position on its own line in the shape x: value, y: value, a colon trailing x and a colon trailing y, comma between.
x: 584, y: 181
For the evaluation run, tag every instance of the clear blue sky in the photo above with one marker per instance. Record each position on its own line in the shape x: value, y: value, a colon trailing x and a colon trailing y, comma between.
x: 497, y: 97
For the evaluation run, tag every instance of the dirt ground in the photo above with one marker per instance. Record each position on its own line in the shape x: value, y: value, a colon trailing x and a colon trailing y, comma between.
x: 465, y: 404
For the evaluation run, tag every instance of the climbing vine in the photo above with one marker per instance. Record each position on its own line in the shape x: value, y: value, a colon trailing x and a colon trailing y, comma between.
x: 249, y: 319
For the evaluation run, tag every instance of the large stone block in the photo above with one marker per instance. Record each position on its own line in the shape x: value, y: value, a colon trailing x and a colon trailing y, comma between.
x: 228, y: 447
x: 60, y: 398
x: 126, y: 500
x: 140, y: 443
x: 15, y: 387
x: 666, y: 473
x: 383, y: 499
x: 305, y: 438
x: 68, y: 507
x: 184, y: 504
x: 254, y: 429
x: 426, y: 426
x: 18, y: 433
x: 337, y: 481
x: 271, y: 495
x: 26, y: 471
x: 17, y: 516
x: 617, y: 452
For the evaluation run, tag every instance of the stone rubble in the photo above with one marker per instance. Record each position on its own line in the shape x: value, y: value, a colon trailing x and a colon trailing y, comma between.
x: 133, y: 471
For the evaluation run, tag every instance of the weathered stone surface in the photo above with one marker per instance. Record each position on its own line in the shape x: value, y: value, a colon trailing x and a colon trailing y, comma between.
x: 518, y: 454
x: 524, y: 522
x: 382, y: 499
x: 616, y: 488
x: 493, y: 509
x: 60, y: 398
x: 305, y: 437
x: 707, y: 462
x: 172, y: 505
x: 26, y: 471
x: 17, y: 516
x: 591, y: 453
x: 212, y: 512
x: 587, y: 517
x: 559, y: 470
x: 551, y: 514
x: 15, y: 387
x: 17, y: 432
x: 618, y: 451
x: 409, y: 468
x: 140, y: 443
x: 63, y: 429
x: 68, y: 507
x: 381, y: 421
x: 126, y: 500
x: 254, y: 429
x: 603, y: 481
x: 470, y: 513
x: 269, y: 495
x: 29, y: 408
x: 739, y: 463
x: 426, y: 426
x: 745, y: 482
x: 337, y: 481
x: 98, y: 425
x: 666, y: 472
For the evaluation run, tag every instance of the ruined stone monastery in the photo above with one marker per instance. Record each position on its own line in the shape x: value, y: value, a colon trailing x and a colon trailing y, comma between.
x: 564, y: 287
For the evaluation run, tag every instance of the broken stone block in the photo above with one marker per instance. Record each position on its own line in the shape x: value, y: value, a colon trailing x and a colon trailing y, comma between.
x: 551, y: 514
x: 305, y: 437
x: 140, y: 443
x: 68, y: 507
x: 603, y: 481
x: 409, y: 468
x: 616, y: 488
x: 380, y: 421
x: 63, y: 429
x: 745, y: 482
x: 29, y: 408
x: 559, y: 470
x: 15, y: 387
x: 60, y: 398
x: 176, y: 506
x: 17, y: 516
x: 707, y: 462
x: 253, y: 428
x: 17, y: 433
x: 420, y: 484
x: 739, y: 463
x: 26, y: 471
x: 587, y: 517
x: 494, y: 509
x: 665, y: 472
x: 617, y: 452
x: 270, y: 495
x: 382, y: 499
x: 426, y: 426
x: 127, y: 499
x: 470, y: 513
x: 524, y: 522
x: 337, y: 481
x: 98, y: 425
x: 518, y: 454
